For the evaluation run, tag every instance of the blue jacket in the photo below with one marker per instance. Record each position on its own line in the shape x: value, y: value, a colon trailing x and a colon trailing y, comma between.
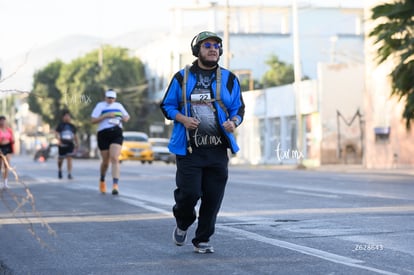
x: 172, y: 104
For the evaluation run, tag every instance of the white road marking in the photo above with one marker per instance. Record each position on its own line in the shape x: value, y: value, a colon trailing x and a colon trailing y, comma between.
x: 312, y: 194
x: 305, y: 250
x: 279, y: 243
x: 144, y: 205
x: 359, y: 193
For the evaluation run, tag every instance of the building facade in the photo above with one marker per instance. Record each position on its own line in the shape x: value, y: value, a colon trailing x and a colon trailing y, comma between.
x: 388, y: 144
x: 343, y: 114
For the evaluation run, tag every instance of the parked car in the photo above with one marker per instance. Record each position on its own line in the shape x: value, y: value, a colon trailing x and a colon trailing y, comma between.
x: 136, y: 147
x: 161, y: 151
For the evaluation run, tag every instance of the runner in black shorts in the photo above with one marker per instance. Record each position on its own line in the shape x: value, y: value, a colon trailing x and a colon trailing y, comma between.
x: 67, y: 141
x: 6, y: 149
x: 109, y: 136
x: 109, y: 116
x: 66, y: 150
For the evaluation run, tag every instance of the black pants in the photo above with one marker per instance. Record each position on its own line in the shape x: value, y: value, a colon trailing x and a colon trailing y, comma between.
x: 200, y: 175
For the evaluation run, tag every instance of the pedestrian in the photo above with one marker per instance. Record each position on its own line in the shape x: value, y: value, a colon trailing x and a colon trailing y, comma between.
x: 68, y: 142
x: 109, y: 115
x: 6, y: 148
x: 206, y: 104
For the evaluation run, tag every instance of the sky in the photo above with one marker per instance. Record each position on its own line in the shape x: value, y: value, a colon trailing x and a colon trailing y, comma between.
x: 28, y: 24
x: 25, y: 24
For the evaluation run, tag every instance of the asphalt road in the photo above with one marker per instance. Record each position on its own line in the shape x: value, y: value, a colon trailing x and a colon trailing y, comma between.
x: 273, y: 221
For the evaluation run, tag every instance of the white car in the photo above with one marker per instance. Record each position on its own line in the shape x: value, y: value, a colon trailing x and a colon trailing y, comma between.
x: 161, y: 151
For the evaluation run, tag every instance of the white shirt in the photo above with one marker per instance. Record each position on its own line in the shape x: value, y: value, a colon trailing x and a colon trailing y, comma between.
x: 103, y: 107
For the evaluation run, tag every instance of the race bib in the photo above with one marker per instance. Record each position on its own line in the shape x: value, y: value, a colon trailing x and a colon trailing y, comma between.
x: 115, y: 121
x: 200, y: 97
x: 67, y: 135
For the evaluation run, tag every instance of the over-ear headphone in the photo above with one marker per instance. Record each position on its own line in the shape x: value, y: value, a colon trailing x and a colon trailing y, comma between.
x: 195, y: 47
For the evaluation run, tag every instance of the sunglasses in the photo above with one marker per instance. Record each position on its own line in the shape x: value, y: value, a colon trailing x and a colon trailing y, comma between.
x: 110, y: 97
x: 208, y: 45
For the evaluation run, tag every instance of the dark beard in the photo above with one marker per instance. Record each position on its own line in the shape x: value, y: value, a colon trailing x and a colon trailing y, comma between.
x: 210, y: 64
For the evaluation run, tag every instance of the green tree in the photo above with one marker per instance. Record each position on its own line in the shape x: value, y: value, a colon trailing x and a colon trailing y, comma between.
x: 84, y: 81
x: 80, y: 89
x: 45, y: 97
x: 279, y: 73
x: 395, y: 37
x: 80, y: 84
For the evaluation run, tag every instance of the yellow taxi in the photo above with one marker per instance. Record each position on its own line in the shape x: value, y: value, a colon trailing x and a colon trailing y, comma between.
x: 136, y: 147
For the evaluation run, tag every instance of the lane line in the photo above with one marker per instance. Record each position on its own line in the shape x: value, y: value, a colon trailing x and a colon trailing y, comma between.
x: 298, y: 248
x: 312, y: 194
x: 306, y: 250
x: 353, y: 210
x: 358, y: 193
x: 89, y: 218
x: 163, y: 214
x: 291, y: 246
x: 142, y: 204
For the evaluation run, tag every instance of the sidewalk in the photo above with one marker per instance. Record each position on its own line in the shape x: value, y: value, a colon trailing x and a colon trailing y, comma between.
x: 361, y: 169
x: 339, y: 168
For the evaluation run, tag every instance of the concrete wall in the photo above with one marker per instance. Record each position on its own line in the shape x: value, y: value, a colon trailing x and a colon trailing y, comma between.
x: 341, y: 88
x: 267, y: 127
x: 384, y: 111
x: 268, y: 134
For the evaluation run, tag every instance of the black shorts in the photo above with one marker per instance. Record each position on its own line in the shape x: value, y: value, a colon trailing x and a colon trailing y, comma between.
x: 109, y: 136
x: 6, y: 149
x: 66, y: 150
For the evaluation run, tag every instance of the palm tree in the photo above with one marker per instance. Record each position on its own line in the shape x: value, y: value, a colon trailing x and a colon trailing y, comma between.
x: 395, y: 36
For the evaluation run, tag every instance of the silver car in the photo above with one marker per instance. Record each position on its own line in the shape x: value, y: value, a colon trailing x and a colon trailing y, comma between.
x: 161, y: 151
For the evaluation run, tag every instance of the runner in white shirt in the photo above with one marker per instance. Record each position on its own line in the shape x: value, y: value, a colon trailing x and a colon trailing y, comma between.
x: 109, y: 115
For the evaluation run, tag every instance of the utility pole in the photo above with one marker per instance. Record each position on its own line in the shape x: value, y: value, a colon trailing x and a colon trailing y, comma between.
x: 227, y: 37
x: 298, y: 77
